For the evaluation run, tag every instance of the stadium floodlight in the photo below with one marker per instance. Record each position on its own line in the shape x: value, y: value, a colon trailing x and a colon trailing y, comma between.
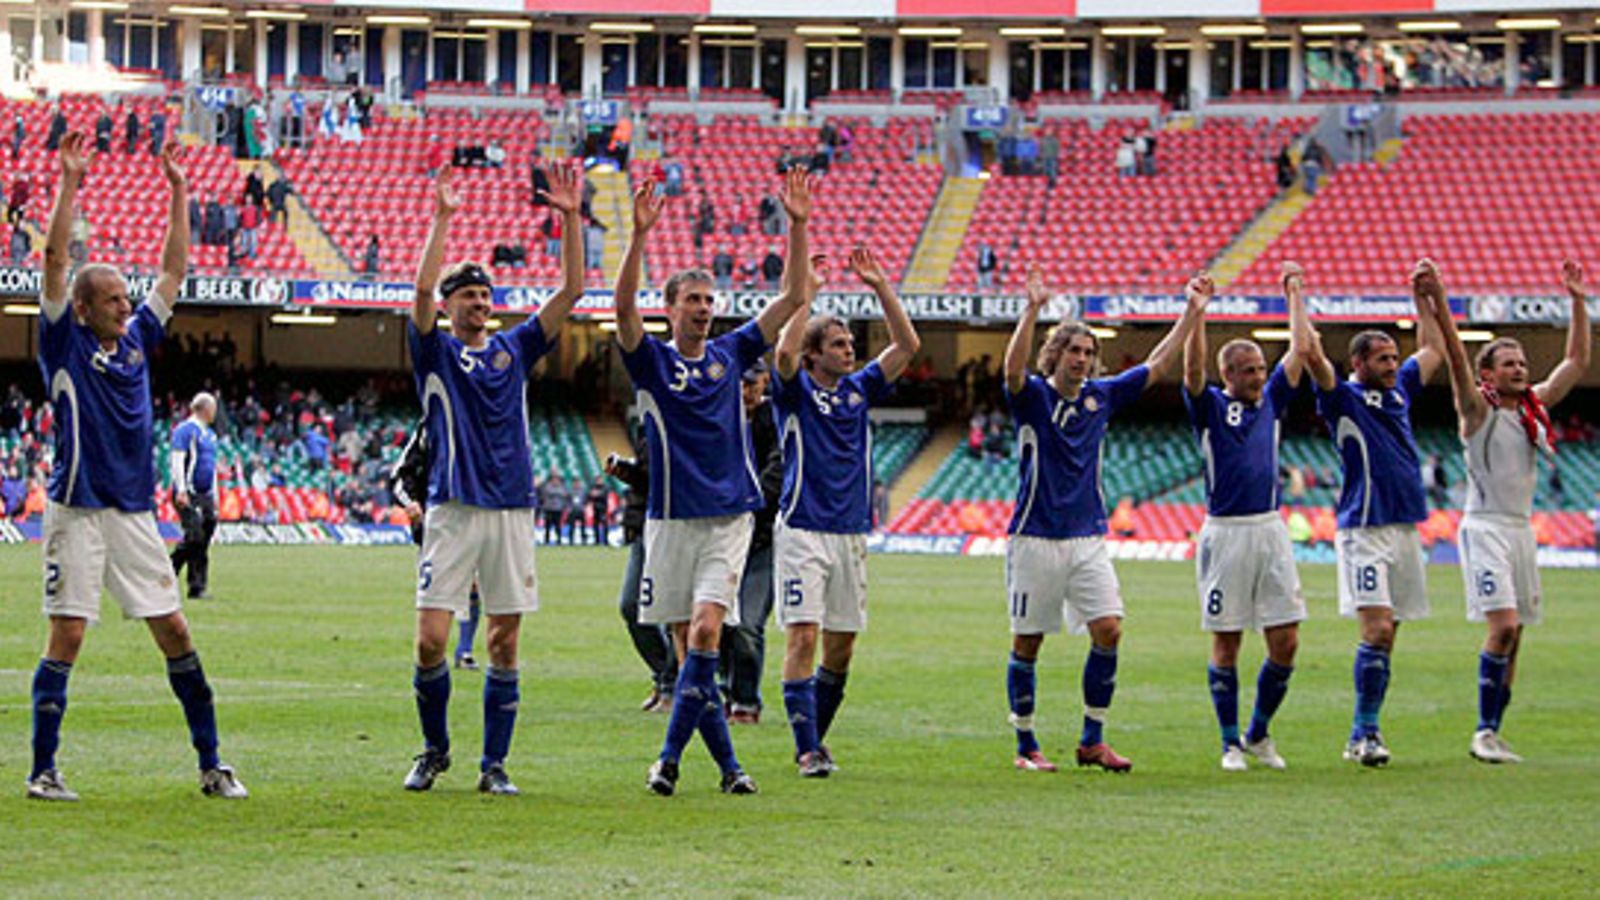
x: 1033, y: 31
x: 1527, y: 24
x: 1133, y: 31
x: 1474, y: 336
x: 198, y: 10
x: 283, y: 15
x: 107, y: 5
x: 1333, y: 28
x: 829, y: 30
x: 1405, y: 324
x: 1271, y: 334
x: 1429, y: 25
x: 1272, y: 45
x: 1103, y: 333
x: 1233, y: 30
x: 399, y: 20
x: 731, y: 28
x: 20, y: 309
x: 929, y: 31
x: 622, y: 27
x: 507, y: 24
x: 304, y: 317
x: 1175, y: 45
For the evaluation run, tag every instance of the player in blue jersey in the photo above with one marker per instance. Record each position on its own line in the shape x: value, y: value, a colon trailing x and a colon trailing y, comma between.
x: 1380, y: 564
x: 825, y: 511
x: 703, y: 482
x: 100, y: 527
x: 479, y: 523
x: 194, y: 491
x: 1243, y: 557
x: 1056, y: 559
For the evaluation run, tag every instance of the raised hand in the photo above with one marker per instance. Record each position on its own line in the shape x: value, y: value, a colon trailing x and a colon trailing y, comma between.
x: 1200, y: 289
x: 566, y: 188
x: 177, y: 178
x: 796, y: 194
x: 647, y: 207
x: 1038, y: 295
x: 446, y: 199
x: 819, y: 272
x: 1572, y: 278
x: 1425, y: 279
x: 1292, y: 275
x: 74, y: 155
x: 866, y: 267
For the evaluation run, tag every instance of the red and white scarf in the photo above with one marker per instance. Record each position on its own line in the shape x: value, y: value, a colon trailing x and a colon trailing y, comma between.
x: 1535, y: 420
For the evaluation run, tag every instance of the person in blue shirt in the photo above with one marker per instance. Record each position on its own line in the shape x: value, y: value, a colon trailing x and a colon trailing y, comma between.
x: 1379, y: 552
x: 825, y: 511
x: 703, y: 482
x: 194, y: 491
x: 1057, y: 564
x: 316, y: 446
x: 1243, y: 557
x: 100, y: 526
x: 473, y: 383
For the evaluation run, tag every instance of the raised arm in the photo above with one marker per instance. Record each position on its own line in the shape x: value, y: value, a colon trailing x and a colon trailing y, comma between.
x: 74, y: 162
x: 792, y: 339
x: 175, y: 246
x: 903, y: 340
x: 647, y: 207
x: 1199, y: 291
x: 1194, y: 361
x: 1021, y: 343
x: 1564, y: 377
x: 1430, y: 341
x: 797, y: 203
x: 424, y: 306
x: 565, y: 194
x: 1304, y: 341
x: 1428, y: 290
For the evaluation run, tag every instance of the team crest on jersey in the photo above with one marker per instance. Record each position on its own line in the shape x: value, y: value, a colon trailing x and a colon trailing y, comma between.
x: 501, y: 361
x: 715, y: 371
x: 135, y: 357
x: 855, y: 400
x: 1091, y: 404
x: 1374, y: 399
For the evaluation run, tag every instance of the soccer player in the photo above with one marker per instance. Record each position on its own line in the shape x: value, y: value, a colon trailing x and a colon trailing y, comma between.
x: 1379, y: 552
x: 194, y: 482
x: 1243, y: 558
x: 100, y: 527
x: 1504, y: 427
x: 1056, y: 560
x: 408, y: 481
x: 479, y: 523
x: 703, y: 483
x: 825, y: 511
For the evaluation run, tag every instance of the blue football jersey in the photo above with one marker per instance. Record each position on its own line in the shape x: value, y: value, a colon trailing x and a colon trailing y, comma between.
x: 827, y: 449
x: 198, y: 444
x: 103, y: 452
x: 1372, y: 429
x: 701, y: 461
x: 1059, y: 443
x: 1239, y: 442
x: 476, y: 406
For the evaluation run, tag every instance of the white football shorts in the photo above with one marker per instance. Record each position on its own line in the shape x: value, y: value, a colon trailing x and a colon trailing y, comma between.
x: 87, y: 550
x: 821, y: 578
x: 461, y: 543
x: 1047, y: 578
x: 1382, y: 565
x: 689, y: 561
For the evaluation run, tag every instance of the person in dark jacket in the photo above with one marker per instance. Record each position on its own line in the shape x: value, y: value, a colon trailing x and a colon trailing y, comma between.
x: 652, y: 642
x: 408, y: 483
x: 58, y: 128
x: 132, y: 128
x: 102, y: 132
x: 744, y: 646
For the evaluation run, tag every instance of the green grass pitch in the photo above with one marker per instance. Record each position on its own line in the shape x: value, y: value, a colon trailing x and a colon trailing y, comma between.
x: 309, y: 652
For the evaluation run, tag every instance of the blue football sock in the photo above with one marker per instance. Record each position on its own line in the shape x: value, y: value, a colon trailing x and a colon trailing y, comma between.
x: 1020, y: 691
x: 467, y: 630
x: 1372, y: 682
x: 1224, y: 685
x: 695, y: 688
x: 1491, y: 689
x: 800, y: 701
x: 433, y: 705
x: 713, y: 728
x: 1099, y: 683
x: 501, y: 695
x: 1271, y: 686
x: 188, y: 681
x: 830, y: 693
x: 49, y: 705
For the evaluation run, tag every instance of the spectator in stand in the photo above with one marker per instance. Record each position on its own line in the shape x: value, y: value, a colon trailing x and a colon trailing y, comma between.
x: 772, y: 268
x: 511, y: 256
x: 132, y: 130
x: 1144, y: 147
x: 21, y: 193
x: 78, y: 238
x: 255, y: 191
x: 589, y: 190
x: 705, y: 221
x: 21, y: 245
x: 434, y: 159
x: 494, y: 155
x: 880, y: 505
x: 988, y: 261
x: 541, y: 183
x: 294, y: 124
x: 58, y: 127
x: 1558, y: 489
x: 773, y: 220
x: 621, y: 141
x: 672, y: 186
x: 1126, y: 161
x: 315, y: 444
x: 722, y: 269
x: 230, y: 224
x: 599, y: 498
x: 249, y: 221
x: 278, y: 198
x: 551, y: 229
x: 737, y: 218
x: 214, y: 234
x: 103, y: 127
x: 19, y: 133
x: 1050, y: 156
x: 594, y: 244
x: 158, y: 130
x: 847, y: 143
x: 363, y: 104
x: 196, y: 217
x: 553, y: 506
x: 1285, y: 164
x: 576, y: 533
x: 372, y: 257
